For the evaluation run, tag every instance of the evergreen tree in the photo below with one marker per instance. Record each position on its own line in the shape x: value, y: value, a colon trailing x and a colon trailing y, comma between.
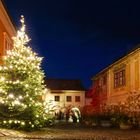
x: 21, y: 85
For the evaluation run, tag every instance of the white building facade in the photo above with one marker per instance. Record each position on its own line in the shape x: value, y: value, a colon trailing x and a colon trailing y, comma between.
x: 63, y: 94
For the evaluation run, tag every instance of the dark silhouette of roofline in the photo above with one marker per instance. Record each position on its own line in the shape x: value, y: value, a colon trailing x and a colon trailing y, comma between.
x: 68, y: 79
x: 64, y: 84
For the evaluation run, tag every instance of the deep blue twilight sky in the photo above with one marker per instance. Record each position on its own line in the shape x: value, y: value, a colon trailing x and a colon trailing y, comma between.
x: 78, y: 38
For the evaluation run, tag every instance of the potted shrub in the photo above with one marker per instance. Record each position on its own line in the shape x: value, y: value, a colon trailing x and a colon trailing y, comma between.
x: 105, y: 116
x: 125, y: 122
x: 105, y: 120
x: 85, y: 121
x: 94, y: 120
x: 121, y: 118
x: 125, y: 126
x: 90, y: 121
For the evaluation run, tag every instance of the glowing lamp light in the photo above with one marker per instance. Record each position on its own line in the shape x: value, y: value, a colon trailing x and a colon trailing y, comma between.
x: 20, y: 97
x: 26, y: 85
x: 27, y: 95
x: 16, y: 102
x: 10, y: 121
x: 2, y: 101
x: 17, y: 81
x: 5, y: 68
x: 1, y: 90
x: 11, y: 96
x: 22, y: 123
x: 32, y: 126
x: 2, y: 79
x: 4, y: 122
x: 0, y: 67
x: 11, y: 67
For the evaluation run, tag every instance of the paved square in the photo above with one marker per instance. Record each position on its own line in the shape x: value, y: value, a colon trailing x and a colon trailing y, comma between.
x: 71, y: 133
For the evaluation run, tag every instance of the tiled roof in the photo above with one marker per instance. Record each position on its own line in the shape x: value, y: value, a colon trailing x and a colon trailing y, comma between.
x: 64, y: 84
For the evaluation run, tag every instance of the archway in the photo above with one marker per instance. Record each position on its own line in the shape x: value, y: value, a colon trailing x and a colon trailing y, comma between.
x: 75, y: 115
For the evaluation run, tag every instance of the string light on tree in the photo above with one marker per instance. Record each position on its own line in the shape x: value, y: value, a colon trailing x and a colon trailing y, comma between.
x: 22, y: 85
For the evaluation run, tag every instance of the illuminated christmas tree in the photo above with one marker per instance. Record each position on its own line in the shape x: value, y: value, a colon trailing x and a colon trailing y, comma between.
x: 21, y: 86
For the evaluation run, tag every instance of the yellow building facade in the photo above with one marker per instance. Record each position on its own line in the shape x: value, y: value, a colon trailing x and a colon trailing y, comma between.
x: 123, y: 77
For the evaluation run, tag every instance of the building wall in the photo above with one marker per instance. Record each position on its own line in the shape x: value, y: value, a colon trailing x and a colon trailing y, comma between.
x: 100, y: 89
x: 131, y: 65
x: 63, y: 95
x: 132, y: 76
x: 88, y: 101
x: 7, y: 31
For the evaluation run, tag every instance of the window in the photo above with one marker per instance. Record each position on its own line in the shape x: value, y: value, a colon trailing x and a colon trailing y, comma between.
x: 119, y: 78
x: 7, y: 43
x: 77, y: 98
x: 68, y: 98
x: 100, y: 82
x: 104, y: 80
x: 57, y: 98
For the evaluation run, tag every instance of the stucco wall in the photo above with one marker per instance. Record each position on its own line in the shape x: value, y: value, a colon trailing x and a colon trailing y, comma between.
x: 63, y: 103
x: 132, y: 75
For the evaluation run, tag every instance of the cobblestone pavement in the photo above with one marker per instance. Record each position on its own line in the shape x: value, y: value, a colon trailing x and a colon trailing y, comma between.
x: 72, y: 133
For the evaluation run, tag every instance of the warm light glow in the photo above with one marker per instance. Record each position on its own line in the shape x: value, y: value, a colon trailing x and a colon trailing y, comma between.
x: 11, y: 96
x: 2, y: 79
x: 22, y: 85
x: 20, y: 97
x: 16, y: 102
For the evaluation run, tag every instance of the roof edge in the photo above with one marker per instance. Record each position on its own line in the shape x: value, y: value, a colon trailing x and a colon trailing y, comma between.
x: 8, y: 14
x: 117, y: 61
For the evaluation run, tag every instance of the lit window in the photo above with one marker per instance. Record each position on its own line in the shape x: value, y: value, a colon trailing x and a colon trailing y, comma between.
x: 77, y: 98
x: 119, y: 78
x: 7, y: 43
x: 69, y: 99
x: 57, y: 98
